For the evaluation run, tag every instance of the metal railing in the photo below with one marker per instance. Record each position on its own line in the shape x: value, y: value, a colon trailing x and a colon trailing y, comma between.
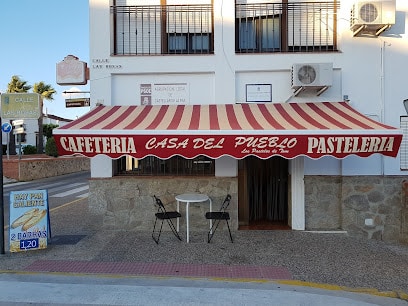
x: 286, y: 27
x: 169, y: 29
x: 259, y: 28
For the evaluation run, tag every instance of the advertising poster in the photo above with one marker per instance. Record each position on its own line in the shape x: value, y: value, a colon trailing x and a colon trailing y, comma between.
x: 164, y: 94
x: 29, y: 220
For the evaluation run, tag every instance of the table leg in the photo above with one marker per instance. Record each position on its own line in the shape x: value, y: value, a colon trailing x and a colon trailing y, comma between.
x: 210, y: 211
x: 187, y: 221
x: 178, y: 219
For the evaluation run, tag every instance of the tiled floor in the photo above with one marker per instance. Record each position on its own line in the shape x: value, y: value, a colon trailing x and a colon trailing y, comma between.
x: 161, y: 269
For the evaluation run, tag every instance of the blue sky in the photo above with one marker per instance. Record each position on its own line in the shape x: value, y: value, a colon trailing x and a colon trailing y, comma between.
x: 35, y: 36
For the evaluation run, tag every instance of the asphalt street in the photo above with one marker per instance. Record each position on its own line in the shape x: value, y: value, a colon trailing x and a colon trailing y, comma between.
x: 57, y: 289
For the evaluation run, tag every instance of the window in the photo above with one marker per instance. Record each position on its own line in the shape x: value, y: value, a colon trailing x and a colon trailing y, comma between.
x: 259, y: 34
x: 188, y: 43
x: 177, y: 165
x: 162, y: 29
x: 286, y: 27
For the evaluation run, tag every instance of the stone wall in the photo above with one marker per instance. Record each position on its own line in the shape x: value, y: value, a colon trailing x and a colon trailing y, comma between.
x: 126, y: 203
x: 32, y: 167
x: 372, y: 207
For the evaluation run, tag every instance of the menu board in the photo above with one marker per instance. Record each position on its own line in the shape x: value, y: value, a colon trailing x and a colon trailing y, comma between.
x: 29, y: 220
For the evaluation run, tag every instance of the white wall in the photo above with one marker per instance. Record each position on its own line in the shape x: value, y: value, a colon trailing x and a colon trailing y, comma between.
x: 370, y: 71
x: 126, y: 88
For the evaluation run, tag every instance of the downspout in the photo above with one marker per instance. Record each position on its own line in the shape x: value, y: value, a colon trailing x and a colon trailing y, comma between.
x: 382, y: 96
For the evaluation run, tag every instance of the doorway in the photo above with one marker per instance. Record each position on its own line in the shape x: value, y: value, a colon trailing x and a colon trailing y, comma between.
x: 263, y: 193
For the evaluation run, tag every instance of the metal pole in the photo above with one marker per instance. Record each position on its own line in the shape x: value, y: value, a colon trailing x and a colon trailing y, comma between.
x: 19, y: 145
x: 8, y: 147
x: 2, y: 243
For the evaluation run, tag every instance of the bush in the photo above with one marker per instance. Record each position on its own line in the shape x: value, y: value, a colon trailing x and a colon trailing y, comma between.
x: 29, y: 149
x: 51, y: 147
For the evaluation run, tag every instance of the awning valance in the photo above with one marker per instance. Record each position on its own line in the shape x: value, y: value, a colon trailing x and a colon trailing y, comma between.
x: 237, y: 130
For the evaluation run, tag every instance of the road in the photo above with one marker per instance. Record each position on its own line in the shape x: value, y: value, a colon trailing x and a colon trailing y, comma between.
x: 62, y: 289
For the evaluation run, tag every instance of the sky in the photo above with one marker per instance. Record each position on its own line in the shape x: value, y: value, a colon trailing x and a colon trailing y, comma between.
x: 35, y: 36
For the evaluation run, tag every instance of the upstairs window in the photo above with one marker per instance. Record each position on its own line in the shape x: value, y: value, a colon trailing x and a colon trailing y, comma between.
x: 259, y: 34
x: 286, y: 27
x: 162, y: 29
x: 188, y: 44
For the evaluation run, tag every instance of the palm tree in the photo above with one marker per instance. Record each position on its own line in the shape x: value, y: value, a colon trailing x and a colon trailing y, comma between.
x: 46, y: 92
x: 16, y: 85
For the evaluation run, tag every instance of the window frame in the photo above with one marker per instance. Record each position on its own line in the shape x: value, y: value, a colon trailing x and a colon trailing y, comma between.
x: 258, y: 24
x: 188, y: 43
x: 173, y: 166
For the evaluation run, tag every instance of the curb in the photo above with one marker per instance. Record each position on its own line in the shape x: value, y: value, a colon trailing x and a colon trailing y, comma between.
x: 372, y: 291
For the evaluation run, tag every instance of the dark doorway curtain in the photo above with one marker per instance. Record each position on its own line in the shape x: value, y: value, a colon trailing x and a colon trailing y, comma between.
x: 267, y: 189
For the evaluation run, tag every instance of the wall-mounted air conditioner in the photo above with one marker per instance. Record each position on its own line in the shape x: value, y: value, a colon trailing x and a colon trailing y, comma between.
x: 375, y: 16
x: 312, y: 75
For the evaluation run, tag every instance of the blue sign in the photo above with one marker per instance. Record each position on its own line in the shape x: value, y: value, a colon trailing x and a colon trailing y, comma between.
x: 6, y: 127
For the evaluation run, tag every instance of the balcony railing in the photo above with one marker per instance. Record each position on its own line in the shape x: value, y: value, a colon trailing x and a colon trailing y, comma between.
x: 286, y: 27
x: 259, y: 28
x: 169, y: 29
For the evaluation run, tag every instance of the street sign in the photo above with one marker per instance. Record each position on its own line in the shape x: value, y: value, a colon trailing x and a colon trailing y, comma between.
x: 78, y: 102
x: 19, y: 126
x: 17, y: 122
x: 6, y: 127
x: 20, y: 105
x: 19, y: 130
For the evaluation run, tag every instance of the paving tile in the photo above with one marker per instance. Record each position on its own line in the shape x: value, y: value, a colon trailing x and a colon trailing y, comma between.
x: 161, y: 269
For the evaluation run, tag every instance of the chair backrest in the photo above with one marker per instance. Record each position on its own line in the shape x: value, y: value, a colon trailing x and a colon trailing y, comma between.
x: 226, y: 202
x: 159, y: 204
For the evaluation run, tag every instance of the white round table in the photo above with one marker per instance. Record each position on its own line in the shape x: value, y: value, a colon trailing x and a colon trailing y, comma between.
x: 191, y: 198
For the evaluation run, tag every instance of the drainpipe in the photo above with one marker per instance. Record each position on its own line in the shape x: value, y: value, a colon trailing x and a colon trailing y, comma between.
x: 382, y: 96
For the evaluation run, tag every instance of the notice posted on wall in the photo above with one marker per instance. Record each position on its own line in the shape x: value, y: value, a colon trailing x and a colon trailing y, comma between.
x: 29, y: 220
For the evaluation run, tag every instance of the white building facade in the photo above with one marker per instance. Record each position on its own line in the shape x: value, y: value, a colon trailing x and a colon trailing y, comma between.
x: 205, y: 52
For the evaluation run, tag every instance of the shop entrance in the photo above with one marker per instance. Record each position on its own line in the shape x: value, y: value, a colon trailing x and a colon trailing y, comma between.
x: 263, y: 193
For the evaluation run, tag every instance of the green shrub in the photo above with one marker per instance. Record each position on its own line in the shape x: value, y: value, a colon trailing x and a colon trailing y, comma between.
x: 51, y: 147
x: 29, y: 149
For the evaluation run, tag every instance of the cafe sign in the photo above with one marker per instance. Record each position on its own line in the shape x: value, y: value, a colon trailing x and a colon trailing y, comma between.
x: 238, y: 146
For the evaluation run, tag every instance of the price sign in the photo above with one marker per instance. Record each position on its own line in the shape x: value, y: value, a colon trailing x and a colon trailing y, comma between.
x: 29, y: 220
x: 27, y: 244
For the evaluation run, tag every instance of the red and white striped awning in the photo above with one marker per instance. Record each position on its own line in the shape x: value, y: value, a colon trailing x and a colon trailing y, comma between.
x: 237, y: 130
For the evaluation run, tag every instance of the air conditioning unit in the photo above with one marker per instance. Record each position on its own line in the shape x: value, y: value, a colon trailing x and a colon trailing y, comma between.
x: 372, y: 15
x: 312, y: 75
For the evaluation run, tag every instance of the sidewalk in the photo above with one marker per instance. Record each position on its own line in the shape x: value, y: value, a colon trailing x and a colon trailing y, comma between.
x: 331, y: 261
x: 7, y: 180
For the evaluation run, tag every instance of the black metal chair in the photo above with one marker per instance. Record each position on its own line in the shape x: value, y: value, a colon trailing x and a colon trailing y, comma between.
x: 163, y: 215
x: 218, y: 216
